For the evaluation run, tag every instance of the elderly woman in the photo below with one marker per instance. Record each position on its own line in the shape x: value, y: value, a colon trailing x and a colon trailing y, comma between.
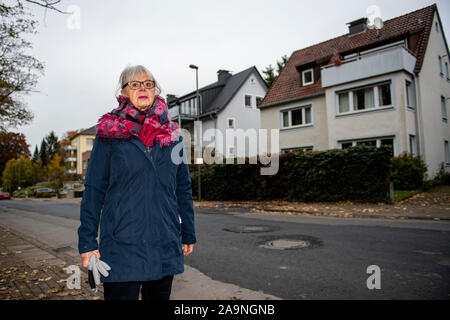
x: 136, y: 193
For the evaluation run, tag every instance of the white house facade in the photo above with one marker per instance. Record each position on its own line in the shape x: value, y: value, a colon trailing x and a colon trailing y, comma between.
x: 377, y: 87
x: 228, y: 105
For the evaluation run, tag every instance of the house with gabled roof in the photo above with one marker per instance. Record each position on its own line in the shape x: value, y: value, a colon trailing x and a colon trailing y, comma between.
x: 78, y: 152
x: 387, y: 86
x: 229, y: 103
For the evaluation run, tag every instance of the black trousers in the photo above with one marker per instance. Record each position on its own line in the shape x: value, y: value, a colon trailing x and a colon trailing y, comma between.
x: 150, y: 290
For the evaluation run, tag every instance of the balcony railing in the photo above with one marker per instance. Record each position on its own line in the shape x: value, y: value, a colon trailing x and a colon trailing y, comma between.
x: 371, y: 63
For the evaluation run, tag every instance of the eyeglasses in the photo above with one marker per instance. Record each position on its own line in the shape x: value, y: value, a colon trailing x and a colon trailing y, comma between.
x: 134, y: 85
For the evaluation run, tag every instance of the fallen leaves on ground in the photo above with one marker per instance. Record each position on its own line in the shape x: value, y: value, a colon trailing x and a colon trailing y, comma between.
x: 45, y: 279
x: 303, y: 296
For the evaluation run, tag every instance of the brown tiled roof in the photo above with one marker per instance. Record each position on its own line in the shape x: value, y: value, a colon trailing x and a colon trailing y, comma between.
x: 287, y: 85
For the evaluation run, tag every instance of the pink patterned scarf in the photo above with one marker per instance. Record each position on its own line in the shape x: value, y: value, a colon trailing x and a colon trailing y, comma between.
x: 152, y: 125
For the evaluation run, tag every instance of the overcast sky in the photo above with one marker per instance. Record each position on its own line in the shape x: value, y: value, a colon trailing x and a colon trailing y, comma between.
x: 82, y: 65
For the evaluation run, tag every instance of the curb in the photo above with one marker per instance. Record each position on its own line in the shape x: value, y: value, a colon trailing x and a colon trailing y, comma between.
x: 297, y: 212
x: 356, y: 215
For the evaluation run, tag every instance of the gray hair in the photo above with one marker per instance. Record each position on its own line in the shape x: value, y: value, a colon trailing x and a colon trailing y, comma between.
x: 130, y: 71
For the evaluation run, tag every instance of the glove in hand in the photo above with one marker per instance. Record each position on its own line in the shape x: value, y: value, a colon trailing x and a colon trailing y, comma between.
x: 98, y: 267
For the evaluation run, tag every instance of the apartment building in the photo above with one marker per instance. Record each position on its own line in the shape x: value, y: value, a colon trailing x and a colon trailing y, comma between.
x: 387, y: 86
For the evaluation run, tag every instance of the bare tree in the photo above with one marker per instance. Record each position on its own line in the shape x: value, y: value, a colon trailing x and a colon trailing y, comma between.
x: 48, y: 4
x: 19, y: 71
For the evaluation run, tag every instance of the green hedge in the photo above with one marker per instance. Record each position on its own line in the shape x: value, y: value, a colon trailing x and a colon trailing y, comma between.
x: 408, y: 172
x: 442, y: 178
x: 358, y: 174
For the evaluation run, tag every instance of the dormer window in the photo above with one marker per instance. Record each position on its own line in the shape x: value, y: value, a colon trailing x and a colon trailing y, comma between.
x: 307, y: 77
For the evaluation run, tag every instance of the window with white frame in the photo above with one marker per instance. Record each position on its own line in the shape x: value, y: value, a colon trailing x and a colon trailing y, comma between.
x: 440, y: 66
x: 296, y: 117
x: 412, y: 145
x: 344, y: 102
x: 410, y: 95
x: 376, y: 142
x: 443, y: 108
x: 230, y: 123
x: 307, y: 77
x: 447, y: 152
x: 248, y: 100
x: 364, y: 98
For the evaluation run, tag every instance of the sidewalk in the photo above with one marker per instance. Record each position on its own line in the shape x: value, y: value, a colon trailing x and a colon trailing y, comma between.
x: 432, y: 205
x: 29, y: 270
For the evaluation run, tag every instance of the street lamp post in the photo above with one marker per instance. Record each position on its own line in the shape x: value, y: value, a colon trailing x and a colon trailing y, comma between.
x: 192, y: 66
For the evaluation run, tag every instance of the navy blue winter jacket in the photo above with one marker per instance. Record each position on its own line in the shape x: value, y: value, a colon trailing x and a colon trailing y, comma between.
x: 142, y: 202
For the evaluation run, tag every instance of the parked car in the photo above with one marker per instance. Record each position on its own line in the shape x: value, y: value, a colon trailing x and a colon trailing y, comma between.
x: 44, y: 192
x: 5, y: 195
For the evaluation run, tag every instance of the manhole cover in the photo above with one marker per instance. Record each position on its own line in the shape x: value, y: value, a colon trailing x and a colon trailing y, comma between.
x: 283, y: 244
x: 252, y: 229
x: 290, y: 242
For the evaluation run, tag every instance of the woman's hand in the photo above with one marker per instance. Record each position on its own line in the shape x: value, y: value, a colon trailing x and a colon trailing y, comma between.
x: 85, y: 257
x: 187, y: 249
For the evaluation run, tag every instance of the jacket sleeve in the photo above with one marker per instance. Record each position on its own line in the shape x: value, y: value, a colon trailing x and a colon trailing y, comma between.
x: 185, y: 201
x: 96, y: 184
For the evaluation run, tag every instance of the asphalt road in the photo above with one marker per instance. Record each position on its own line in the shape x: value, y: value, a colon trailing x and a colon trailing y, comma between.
x: 413, y: 256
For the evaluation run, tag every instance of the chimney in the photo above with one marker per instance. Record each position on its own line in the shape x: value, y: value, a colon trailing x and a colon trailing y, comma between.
x: 223, y: 76
x: 170, y: 98
x: 357, y: 26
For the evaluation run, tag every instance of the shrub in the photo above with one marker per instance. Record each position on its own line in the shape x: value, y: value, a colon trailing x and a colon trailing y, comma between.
x: 442, y: 178
x: 49, y: 184
x: 359, y: 174
x: 21, y: 193
x: 408, y: 172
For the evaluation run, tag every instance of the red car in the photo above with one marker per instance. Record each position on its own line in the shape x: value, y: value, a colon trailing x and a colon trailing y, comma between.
x: 5, y: 195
